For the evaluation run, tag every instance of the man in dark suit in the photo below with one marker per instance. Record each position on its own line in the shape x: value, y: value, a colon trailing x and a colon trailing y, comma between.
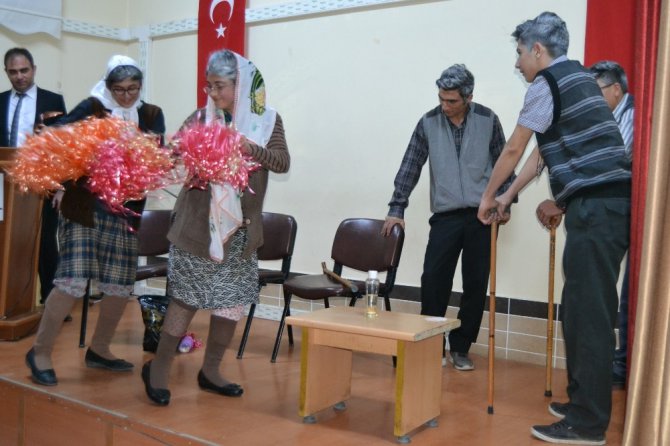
x: 23, y: 109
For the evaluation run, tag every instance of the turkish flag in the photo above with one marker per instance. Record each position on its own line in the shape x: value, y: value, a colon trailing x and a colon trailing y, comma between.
x: 220, y: 26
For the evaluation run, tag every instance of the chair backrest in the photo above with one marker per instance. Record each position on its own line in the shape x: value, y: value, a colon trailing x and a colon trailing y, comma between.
x: 359, y: 244
x: 279, y: 231
x: 152, y: 235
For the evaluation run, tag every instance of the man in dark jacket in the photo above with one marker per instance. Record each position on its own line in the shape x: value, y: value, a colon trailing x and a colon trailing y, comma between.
x: 22, y: 109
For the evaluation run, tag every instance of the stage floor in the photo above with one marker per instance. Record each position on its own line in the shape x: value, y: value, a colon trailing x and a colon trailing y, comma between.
x: 267, y: 413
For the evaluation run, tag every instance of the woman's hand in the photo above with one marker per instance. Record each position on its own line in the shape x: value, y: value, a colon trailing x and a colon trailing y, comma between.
x: 57, y: 198
x: 38, y: 128
x: 245, y: 147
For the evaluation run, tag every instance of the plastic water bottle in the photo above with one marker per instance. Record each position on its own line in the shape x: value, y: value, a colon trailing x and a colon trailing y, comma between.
x: 371, y: 293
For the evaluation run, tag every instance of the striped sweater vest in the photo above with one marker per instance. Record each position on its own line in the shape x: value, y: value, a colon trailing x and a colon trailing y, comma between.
x: 583, y: 147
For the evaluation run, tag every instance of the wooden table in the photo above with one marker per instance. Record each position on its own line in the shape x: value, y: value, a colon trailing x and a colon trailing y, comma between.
x: 329, y: 337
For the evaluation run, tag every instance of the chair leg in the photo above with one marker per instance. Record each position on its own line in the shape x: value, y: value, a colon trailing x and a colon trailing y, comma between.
x: 387, y: 305
x: 247, y: 327
x: 282, y: 323
x: 290, y: 329
x: 84, y: 315
x: 326, y: 303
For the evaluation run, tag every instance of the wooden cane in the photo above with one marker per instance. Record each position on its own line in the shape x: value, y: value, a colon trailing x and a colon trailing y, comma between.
x: 550, y: 310
x: 492, y: 313
x: 337, y: 278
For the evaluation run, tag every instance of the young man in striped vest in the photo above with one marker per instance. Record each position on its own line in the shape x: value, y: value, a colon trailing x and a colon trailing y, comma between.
x: 589, y: 174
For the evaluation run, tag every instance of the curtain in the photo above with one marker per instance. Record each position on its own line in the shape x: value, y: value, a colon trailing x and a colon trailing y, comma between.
x: 32, y: 16
x: 646, y: 53
x: 648, y: 405
x: 610, y: 34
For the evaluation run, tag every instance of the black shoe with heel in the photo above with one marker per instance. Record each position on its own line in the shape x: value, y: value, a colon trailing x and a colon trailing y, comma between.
x: 231, y: 389
x: 44, y: 377
x: 158, y: 396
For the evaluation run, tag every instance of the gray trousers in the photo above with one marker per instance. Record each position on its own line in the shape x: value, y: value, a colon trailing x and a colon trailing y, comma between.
x: 597, y: 239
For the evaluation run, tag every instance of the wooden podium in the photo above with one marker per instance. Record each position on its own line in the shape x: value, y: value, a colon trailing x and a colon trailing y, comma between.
x: 19, y: 250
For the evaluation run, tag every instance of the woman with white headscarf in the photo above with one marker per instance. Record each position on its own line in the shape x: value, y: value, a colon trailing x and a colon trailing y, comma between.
x: 213, y: 263
x: 94, y: 243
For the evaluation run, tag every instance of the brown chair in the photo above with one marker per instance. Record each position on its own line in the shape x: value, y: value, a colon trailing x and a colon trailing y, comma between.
x: 151, y: 242
x: 279, y: 231
x: 358, y: 245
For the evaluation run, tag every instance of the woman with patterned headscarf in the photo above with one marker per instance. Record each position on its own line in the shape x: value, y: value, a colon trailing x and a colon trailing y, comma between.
x: 213, y: 263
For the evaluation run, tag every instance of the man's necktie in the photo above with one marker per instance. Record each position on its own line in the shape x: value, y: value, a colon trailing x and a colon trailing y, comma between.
x: 14, y: 131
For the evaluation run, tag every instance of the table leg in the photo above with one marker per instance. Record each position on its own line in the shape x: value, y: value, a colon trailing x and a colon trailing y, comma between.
x: 418, y: 390
x: 325, y: 374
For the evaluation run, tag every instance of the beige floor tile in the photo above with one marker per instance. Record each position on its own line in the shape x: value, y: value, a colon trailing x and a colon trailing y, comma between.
x: 500, y: 338
x: 527, y: 343
x: 483, y: 350
x: 527, y: 357
x: 501, y: 321
x: 528, y: 325
x: 406, y: 306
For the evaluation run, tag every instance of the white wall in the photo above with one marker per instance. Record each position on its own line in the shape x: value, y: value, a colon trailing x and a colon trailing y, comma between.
x: 350, y: 87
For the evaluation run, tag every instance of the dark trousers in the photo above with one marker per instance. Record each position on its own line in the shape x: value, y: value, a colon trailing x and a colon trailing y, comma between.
x: 48, y: 259
x: 597, y: 239
x: 450, y: 234
x: 621, y: 354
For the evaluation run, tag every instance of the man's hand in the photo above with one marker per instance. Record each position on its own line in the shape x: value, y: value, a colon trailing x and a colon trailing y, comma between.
x: 549, y: 214
x: 389, y: 223
x: 504, y: 206
x: 504, y: 214
x: 488, y: 213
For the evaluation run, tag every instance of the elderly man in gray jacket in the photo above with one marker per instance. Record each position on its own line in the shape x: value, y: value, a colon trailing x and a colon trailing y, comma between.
x: 462, y: 141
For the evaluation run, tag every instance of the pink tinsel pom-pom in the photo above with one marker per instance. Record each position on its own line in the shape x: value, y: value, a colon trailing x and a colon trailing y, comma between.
x: 127, y: 168
x: 212, y: 154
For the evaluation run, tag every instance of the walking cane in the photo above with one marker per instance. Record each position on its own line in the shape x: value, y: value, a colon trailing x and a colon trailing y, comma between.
x: 550, y: 310
x: 492, y: 312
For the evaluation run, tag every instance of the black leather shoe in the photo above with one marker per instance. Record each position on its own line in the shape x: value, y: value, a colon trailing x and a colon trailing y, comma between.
x: 158, y: 396
x: 43, y: 377
x: 96, y: 361
x: 231, y: 389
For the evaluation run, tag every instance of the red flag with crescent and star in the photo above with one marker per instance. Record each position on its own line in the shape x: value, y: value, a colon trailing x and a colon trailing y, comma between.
x: 220, y: 25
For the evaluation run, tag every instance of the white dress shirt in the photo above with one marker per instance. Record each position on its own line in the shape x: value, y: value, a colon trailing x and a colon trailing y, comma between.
x: 27, y: 114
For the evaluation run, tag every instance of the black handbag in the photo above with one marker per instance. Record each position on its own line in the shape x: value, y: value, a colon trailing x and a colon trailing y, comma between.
x: 153, y: 309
